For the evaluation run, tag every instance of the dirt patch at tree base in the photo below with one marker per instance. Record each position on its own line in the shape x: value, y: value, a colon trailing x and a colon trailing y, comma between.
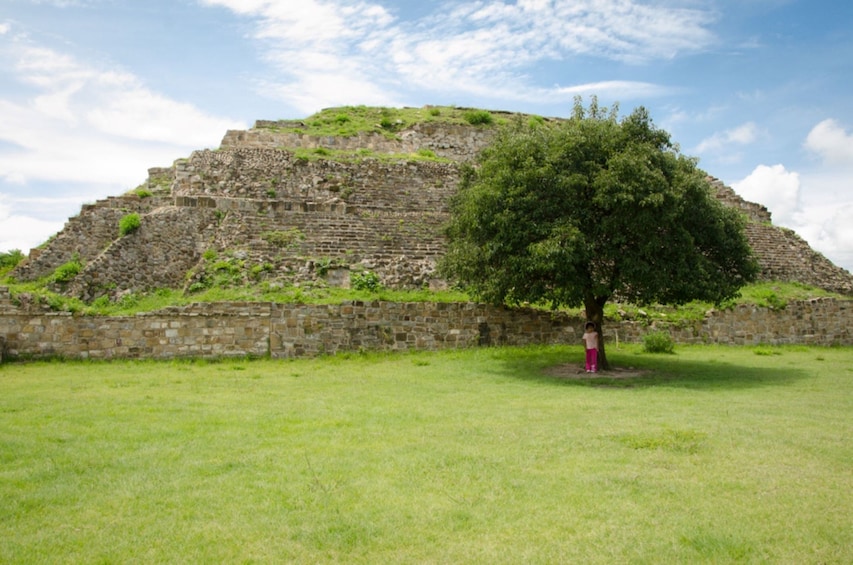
x: 576, y: 372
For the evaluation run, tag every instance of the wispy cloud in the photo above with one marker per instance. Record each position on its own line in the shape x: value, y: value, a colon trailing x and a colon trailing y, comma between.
x: 21, y: 231
x: 618, y: 89
x: 473, y: 47
x: 62, y: 3
x: 84, y: 131
x: 742, y: 135
x: 90, y: 124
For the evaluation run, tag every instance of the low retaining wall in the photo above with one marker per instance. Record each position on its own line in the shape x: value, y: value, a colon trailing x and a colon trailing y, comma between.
x: 819, y: 321
x: 283, y: 330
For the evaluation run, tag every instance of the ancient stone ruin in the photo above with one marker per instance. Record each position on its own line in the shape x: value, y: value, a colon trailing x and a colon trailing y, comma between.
x: 260, y: 211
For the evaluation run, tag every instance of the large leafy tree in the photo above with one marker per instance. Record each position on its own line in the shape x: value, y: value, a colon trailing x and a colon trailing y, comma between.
x: 589, y: 209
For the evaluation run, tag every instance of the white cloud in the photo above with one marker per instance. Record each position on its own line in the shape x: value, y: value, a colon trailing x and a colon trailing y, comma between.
x: 839, y: 236
x: 831, y: 142
x: 829, y: 229
x: 622, y: 30
x: 827, y: 220
x: 322, y: 90
x: 618, y: 89
x: 71, y: 121
x: 742, y: 135
x: 809, y: 203
x: 774, y: 187
x: 91, y: 130
x: 473, y: 48
x: 23, y: 232
x: 140, y: 114
x: 61, y: 3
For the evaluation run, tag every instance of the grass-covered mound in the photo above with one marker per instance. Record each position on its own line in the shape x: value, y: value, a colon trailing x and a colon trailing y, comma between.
x: 347, y: 121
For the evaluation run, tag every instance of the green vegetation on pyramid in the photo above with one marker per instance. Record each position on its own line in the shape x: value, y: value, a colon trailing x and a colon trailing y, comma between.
x: 345, y: 196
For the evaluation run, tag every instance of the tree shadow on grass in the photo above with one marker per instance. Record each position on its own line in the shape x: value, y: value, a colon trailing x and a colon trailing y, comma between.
x: 643, y: 371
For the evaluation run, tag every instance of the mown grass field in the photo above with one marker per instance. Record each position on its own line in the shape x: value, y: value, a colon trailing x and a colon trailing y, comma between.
x: 711, y: 455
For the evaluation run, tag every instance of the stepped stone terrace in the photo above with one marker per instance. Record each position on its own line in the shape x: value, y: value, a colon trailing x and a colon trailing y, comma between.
x: 277, y: 215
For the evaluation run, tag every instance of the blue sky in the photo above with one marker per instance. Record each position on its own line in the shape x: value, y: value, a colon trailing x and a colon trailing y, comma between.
x: 94, y: 92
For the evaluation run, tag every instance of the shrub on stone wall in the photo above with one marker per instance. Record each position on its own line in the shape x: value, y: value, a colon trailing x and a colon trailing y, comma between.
x: 67, y: 271
x: 365, y: 280
x: 129, y: 223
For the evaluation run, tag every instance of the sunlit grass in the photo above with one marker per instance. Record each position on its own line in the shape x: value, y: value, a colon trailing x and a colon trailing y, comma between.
x: 764, y: 294
x: 712, y: 455
x: 133, y: 303
x: 350, y: 156
x: 351, y: 120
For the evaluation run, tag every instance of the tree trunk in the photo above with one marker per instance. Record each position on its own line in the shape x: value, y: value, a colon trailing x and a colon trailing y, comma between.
x: 594, y: 306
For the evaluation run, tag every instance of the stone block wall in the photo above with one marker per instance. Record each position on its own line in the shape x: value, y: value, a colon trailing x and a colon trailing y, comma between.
x: 271, y: 175
x: 168, y: 243
x: 452, y: 141
x: 87, y: 234
x: 376, y: 215
x: 389, y: 326
x: 785, y: 256
x: 284, y: 331
x: 818, y: 321
x: 755, y: 212
x: 239, y: 331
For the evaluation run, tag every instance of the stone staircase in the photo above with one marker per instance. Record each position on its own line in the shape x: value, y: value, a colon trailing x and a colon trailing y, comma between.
x: 785, y: 256
x: 363, y: 239
x: 87, y: 234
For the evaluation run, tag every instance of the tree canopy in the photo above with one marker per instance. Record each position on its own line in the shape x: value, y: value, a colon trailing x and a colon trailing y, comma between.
x: 590, y: 208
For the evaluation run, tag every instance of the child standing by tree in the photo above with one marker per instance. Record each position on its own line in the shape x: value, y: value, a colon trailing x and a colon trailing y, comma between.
x: 590, y: 338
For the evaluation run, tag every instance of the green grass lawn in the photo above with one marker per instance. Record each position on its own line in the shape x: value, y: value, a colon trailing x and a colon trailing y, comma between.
x: 711, y: 455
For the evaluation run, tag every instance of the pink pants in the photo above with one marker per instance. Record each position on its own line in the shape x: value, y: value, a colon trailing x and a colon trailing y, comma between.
x: 592, y: 360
